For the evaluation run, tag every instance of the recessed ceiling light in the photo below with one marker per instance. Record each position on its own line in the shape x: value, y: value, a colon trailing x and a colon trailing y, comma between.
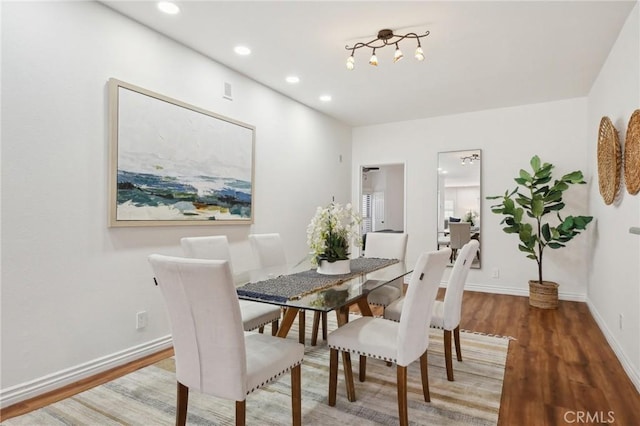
x: 293, y: 79
x: 168, y: 7
x: 325, y: 98
x: 242, y: 50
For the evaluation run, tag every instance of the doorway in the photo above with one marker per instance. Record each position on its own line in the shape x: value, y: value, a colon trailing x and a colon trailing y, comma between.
x: 382, y: 188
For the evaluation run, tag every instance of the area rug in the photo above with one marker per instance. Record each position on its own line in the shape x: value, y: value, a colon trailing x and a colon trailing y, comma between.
x: 147, y: 396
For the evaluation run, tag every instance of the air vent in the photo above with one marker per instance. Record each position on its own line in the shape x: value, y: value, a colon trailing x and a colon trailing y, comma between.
x: 227, y: 91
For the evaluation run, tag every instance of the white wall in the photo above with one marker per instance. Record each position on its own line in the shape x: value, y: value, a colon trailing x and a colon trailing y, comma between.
x: 614, y: 267
x: 508, y: 137
x: 71, y: 287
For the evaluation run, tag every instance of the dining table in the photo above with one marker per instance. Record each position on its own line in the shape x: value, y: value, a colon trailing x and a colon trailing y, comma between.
x: 300, y: 287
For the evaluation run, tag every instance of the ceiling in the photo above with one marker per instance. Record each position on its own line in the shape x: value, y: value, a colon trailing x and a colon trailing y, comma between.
x: 479, y: 54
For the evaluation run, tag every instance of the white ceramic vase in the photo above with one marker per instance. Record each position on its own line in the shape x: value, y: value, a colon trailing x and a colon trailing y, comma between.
x: 338, y: 267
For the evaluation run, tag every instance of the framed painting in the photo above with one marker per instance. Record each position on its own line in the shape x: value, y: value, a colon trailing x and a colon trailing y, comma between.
x: 176, y: 164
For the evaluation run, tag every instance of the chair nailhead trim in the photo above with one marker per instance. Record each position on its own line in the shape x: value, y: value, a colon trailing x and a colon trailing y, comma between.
x: 261, y: 325
x: 362, y: 353
x: 270, y: 379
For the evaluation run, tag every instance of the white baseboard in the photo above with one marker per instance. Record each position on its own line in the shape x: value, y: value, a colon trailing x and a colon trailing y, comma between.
x: 519, y: 291
x: 631, y: 371
x: 39, y: 386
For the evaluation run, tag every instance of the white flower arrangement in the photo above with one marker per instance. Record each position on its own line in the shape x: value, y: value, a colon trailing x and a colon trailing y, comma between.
x: 331, y: 232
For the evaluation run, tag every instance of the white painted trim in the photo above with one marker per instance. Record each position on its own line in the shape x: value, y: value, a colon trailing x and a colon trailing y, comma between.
x: 41, y: 385
x: 634, y: 375
x: 517, y: 291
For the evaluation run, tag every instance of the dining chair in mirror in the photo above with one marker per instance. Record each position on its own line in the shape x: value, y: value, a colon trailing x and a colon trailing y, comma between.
x: 460, y: 234
x: 459, y: 199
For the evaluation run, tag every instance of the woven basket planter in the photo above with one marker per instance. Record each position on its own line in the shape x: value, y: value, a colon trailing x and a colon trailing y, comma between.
x: 632, y: 154
x: 543, y: 296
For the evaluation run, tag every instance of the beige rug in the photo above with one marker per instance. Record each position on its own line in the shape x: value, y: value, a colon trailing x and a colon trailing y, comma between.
x: 147, y: 396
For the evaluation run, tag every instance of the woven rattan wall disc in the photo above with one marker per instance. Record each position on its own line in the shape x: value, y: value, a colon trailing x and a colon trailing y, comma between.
x: 632, y: 154
x: 609, y: 160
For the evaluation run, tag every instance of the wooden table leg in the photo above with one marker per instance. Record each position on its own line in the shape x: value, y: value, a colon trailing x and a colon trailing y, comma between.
x: 324, y: 327
x: 315, y: 327
x: 290, y: 315
x: 364, y: 307
x: 301, y: 326
x: 342, y: 315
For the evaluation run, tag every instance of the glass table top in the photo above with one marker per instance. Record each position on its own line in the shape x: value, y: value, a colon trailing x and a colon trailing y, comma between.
x: 332, y: 291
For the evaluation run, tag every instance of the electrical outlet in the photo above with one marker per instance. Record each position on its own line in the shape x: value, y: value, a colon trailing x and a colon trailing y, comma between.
x: 495, y: 273
x: 141, y: 320
x: 620, y: 318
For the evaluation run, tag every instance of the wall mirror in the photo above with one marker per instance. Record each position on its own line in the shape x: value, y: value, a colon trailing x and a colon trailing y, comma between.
x: 459, y: 200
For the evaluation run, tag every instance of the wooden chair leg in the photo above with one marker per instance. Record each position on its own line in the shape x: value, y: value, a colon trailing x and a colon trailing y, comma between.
x: 274, y: 327
x: 333, y: 376
x: 348, y: 376
x: 261, y: 329
x: 424, y: 370
x: 296, y: 396
x: 301, y: 325
x: 241, y: 412
x: 456, y: 339
x: 363, y: 368
x: 314, y: 329
x: 402, y: 395
x: 447, y: 354
x: 181, y: 405
x: 324, y: 326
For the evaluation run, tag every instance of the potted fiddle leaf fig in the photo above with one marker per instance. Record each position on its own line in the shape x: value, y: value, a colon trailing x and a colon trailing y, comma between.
x: 528, y: 210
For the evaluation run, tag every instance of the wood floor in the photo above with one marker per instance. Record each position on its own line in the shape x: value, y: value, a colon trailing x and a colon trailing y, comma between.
x: 559, y: 371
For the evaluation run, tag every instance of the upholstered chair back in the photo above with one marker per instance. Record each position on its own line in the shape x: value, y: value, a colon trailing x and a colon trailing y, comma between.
x: 386, y: 245
x: 212, y: 247
x: 455, y: 286
x: 268, y: 250
x: 413, y: 331
x: 206, y: 324
x: 460, y: 234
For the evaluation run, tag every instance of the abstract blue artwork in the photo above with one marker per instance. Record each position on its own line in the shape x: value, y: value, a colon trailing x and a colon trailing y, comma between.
x: 176, y: 164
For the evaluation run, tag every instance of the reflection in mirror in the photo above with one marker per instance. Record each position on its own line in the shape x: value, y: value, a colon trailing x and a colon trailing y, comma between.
x: 459, y: 200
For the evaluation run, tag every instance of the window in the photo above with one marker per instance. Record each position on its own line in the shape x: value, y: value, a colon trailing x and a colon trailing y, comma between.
x: 366, y: 214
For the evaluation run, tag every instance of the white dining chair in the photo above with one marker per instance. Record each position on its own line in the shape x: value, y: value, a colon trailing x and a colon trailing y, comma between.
x: 447, y: 314
x: 255, y: 315
x: 399, y: 342
x: 460, y: 234
x: 387, y: 246
x: 269, y: 251
x: 213, y: 354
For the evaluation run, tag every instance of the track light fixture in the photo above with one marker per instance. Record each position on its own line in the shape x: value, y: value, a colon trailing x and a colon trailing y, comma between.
x: 386, y: 37
x: 470, y: 159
